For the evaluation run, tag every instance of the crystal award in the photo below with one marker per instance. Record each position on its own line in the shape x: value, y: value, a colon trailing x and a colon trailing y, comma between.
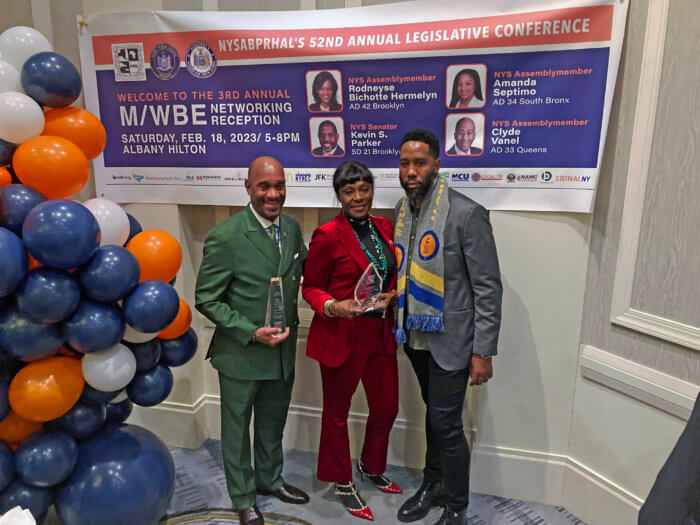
x: 274, y: 316
x: 368, y: 288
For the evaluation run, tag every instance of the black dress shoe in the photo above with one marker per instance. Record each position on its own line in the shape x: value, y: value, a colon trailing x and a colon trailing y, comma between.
x: 453, y: 517
x: 251, y: 516
x: 288, y: 494
x: 417, y: 506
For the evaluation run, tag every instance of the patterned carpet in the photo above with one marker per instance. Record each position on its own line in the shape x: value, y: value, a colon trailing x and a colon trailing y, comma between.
x: 201, y: 497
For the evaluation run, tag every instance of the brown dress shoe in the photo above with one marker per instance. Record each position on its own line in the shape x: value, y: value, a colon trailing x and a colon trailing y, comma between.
x: 251, y: 516
x: 288, y: 494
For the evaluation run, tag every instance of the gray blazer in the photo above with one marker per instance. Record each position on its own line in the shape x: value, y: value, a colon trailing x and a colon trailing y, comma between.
x: 472, y: 316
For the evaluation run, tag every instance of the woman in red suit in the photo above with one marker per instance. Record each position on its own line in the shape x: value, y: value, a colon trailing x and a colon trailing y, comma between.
x: 349, y: 344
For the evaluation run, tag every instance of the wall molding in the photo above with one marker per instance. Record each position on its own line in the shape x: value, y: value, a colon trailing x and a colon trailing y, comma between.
x: 621, y: 311
x: 647, y: 385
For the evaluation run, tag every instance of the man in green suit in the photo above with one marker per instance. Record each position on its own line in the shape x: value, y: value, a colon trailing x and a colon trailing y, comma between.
x: 255, y: 363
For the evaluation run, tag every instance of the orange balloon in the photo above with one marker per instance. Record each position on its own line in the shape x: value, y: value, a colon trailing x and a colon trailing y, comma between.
x: 158, y: 254
x: 5, y: 177
x: 53, y: 166
x: 46, y: 389
x: 33, y: 263
x: 14, y: 429
x: 181, y: 323
x: 77, y: 125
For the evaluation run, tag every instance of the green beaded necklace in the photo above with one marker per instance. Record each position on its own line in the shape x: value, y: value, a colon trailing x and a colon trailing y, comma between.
x: 382, y: 265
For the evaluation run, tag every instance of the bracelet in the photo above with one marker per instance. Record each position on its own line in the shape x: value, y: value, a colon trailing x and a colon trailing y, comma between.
x: 255, y: 335
x: 328, y: 308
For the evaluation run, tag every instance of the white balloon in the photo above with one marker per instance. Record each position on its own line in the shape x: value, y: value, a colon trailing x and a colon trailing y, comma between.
x: 18, y: 43
x: 132, y: 335
x: 109, y: 370
x: 113, y: 221
x: 21, y: 118
x: 9, y: 77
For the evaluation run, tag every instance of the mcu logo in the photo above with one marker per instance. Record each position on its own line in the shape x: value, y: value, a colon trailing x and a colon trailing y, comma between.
x: 460, y: 176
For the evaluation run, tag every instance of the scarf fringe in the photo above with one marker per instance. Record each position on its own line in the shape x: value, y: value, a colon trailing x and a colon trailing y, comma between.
x: 424, y: 323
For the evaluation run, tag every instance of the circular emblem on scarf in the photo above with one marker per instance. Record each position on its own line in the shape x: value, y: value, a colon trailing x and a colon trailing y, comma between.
x: 399, y: 256
x: 428, y: 246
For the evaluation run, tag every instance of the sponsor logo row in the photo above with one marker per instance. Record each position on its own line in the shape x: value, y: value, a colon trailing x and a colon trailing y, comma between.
x: 542, y: 178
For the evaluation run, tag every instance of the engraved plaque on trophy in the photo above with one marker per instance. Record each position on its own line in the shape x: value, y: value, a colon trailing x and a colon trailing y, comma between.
x: 274, y: 316
x: 368, y: 288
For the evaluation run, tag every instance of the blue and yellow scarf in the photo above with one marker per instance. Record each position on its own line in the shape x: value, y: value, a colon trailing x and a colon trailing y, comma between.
x: 426, y: 286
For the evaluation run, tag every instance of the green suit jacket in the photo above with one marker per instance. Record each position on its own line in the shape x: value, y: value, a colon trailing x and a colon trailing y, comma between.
x: 233, y: 283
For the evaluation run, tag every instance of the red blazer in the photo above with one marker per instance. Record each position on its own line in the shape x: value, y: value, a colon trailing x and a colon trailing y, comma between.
x: 333, y: 266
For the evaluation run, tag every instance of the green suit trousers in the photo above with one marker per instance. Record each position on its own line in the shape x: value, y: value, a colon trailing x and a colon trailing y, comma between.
x: 268, y: 401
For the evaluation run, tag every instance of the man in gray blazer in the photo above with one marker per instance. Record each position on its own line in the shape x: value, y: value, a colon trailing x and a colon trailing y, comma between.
x: 443, y: 360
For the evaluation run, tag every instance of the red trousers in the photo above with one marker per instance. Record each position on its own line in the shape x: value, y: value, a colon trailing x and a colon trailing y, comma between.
x: 370, y: 362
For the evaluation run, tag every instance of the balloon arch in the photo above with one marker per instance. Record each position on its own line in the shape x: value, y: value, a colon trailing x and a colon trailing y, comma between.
x: 89, y: 324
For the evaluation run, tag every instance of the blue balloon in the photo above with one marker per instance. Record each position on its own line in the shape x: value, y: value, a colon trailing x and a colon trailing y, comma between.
x: 46, y: 459
x: 9, y: 365
x: 81, y: 421
x: 110, y: 275
x: 4, y: 400
x: 176, y: 352
x: 150, y: 388
x: 117, y: 413
x: 92, y: 396
x: 134, y: 227
x: 51, y: 79
x: 124, y: 474
x: 61, y: 233
x: 94, y: 326
x: 7, y: 466
x: 7, y: 149
x: 48, y: 295
x: 37, y: 500
x: 25, y: 339
x: 147, y: 354
x: 16, y: 201
x: 151, y: 307
x: 13, y: 262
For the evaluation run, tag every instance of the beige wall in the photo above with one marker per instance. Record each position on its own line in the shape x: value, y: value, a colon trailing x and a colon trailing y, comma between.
x: 547, y: 426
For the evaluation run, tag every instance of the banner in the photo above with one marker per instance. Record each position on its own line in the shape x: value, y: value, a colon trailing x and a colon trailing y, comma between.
x: 518, y: 92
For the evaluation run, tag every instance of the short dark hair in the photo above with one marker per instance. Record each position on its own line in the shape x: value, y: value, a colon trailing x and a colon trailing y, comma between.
x: 327, y: 123
x: 321, y: 79
x: 423, y: 135
x: 350, y: 172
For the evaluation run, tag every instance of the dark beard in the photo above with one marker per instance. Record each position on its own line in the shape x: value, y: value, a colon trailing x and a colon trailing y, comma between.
x: 421, y: 191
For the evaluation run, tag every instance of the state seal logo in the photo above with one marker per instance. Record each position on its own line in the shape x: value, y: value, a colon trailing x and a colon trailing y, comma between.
x: 200, y: 59
x: 165, y: 62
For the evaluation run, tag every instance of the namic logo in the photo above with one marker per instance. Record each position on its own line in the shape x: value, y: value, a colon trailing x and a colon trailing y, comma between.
x: 527, y: 177
x: 137, y: 178
x: 464, y: 177
x: 547, y: 176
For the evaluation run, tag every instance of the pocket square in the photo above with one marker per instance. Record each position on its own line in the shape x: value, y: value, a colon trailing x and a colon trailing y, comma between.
x: 296, y: 255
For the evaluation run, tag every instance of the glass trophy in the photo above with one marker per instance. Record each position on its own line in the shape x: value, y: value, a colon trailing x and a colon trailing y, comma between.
x: 368, y: 288
x: 274, y: 316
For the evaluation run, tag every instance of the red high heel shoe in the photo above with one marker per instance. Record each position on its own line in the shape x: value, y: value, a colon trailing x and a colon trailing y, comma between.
x: 353, y: 502
x: 381, y: 482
